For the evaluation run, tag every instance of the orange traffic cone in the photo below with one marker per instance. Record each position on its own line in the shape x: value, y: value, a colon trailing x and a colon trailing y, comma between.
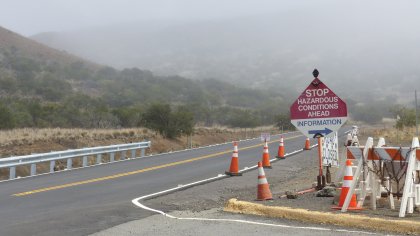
x: 266, y: 157
x: 348, y: 178
x: 280, y: 153
x: 234, y: 166
x: 307, y: 144
x: 263, y: 192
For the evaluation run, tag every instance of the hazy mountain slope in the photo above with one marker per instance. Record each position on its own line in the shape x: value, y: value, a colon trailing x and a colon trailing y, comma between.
x: 43, y: 87
x: 361, y: 51
x: 13, y: 42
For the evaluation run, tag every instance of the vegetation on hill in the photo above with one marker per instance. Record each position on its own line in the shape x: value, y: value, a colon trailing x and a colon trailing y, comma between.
x: 37, y: 92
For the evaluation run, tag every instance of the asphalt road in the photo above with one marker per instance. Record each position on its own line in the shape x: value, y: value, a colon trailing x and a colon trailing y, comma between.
x: 84, y: 201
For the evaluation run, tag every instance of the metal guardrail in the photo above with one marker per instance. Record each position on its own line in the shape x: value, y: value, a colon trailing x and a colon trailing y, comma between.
x: 84, y: 153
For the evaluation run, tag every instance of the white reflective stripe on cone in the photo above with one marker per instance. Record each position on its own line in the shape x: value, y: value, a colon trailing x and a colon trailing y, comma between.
x: 261, y: 171
x: 346, y: 183
x: 262, y: 181
x: 349, y: 171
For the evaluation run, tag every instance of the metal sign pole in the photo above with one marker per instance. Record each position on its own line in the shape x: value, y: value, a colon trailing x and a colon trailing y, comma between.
x: 417, y: 127
x: 321, y: 177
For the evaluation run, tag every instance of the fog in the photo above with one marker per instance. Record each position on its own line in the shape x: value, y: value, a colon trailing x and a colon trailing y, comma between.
x: 31, y: 17
x: 368, y: 48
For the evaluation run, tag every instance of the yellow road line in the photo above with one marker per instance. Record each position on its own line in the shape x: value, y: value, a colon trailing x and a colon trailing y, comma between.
x: 133, y: 172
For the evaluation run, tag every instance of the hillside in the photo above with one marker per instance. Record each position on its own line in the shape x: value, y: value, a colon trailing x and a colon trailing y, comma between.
x: 12, y: 42
x: 43, y: 87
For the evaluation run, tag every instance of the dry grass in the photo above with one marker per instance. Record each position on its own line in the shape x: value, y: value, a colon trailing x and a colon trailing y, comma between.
x: 26, y: 135
x: 393, y: 136
x: 347, y: 220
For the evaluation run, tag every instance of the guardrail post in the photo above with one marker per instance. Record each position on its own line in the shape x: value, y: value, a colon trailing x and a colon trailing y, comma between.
x: 112, y: 157
x: 33, y: 169
x: 142, y: 152
x: 85, y: 161
x: 69, y: 163
x: 133, y: 153
x: 52, y: 165
x: 122, y: 155
x: 99, y: 159
x: 12, y: 172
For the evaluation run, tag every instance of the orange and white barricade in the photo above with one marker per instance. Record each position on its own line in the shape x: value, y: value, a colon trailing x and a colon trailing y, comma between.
x: 372, y: 186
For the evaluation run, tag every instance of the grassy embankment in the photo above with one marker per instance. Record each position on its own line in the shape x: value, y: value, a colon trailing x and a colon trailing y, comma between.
x: 393, y: 136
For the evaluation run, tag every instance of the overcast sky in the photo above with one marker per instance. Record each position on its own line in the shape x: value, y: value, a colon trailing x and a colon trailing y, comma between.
x: 29, y: 17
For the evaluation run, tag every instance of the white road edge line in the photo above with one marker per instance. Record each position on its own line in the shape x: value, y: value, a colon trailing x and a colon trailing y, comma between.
x: 136, y: 202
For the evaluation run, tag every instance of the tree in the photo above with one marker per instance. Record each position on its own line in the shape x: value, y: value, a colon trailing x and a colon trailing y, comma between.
x: 183, y: 121
x: 6, y: 118
x: 405, y: 117
x: 161, y: 118
x: 244, y: 119
x: 157, y: 117
x: 282, y: 121
x: 128, y: 116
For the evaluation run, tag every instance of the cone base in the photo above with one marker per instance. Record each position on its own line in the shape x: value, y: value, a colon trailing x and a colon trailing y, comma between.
x: 279, y: 157
x: 233, y: 173
x: 264, y: 199
x: 349, y: 208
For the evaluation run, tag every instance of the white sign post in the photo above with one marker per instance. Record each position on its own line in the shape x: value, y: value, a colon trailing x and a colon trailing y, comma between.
x: 265, y: 137
x: 330, y: 151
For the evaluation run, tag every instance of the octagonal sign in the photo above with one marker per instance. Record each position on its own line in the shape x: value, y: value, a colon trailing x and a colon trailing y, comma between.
x: 318, y: 111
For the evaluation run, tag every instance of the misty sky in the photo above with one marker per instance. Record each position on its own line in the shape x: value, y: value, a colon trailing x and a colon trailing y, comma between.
x: 29, y: 17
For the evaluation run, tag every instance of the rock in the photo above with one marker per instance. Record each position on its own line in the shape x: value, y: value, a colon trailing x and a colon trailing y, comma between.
x: 327, y: 192
x: 291, y: 195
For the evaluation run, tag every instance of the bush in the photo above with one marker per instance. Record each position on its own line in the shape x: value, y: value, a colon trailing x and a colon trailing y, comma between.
x: 6, y: 118
x: 405, y: 117
x: 161, y: 118
x: 282, y: 121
